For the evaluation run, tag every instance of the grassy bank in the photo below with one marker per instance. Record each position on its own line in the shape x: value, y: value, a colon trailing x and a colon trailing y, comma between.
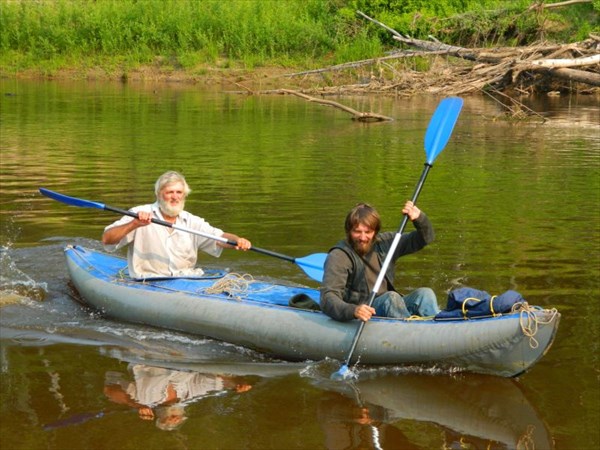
x: 194, y: 36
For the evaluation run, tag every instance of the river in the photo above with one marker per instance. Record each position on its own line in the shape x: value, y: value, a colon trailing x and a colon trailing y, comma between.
x: 515, y: 204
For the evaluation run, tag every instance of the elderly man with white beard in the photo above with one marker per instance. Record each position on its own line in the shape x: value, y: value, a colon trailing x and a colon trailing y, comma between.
x: 158, y: 251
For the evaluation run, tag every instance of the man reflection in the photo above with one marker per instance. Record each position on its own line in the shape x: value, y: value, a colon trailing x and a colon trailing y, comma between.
x: 162, y: 394
x: 349, y: 425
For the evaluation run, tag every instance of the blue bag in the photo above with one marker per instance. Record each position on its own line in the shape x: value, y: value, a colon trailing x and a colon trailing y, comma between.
x: 466, y: 303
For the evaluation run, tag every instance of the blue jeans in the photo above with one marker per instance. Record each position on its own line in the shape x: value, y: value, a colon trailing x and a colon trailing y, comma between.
x: 420, y: 302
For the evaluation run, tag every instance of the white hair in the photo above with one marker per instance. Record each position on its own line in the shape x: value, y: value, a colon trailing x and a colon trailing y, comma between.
x: 168, y: 178
x: 170, y: 418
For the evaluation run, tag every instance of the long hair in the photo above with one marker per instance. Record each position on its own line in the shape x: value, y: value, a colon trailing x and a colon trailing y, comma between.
x: 170, y: 177
x: 362, y: 214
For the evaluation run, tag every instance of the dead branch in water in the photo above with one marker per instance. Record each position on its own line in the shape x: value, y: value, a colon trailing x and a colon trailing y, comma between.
x: 356, y: 115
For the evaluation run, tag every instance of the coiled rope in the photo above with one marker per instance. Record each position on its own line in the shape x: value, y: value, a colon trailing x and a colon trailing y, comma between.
x: 233, y: 284
x: 530, y: 321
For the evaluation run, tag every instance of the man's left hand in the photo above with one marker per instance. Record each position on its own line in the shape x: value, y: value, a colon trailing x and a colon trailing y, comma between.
x: 411, y: 211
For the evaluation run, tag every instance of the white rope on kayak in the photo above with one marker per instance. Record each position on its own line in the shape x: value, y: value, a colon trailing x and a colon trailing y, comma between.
x: 233, y: 284
x: 530, y: 321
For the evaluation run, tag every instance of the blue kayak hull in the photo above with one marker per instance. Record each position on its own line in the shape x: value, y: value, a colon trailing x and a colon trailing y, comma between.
x: 261, y: 319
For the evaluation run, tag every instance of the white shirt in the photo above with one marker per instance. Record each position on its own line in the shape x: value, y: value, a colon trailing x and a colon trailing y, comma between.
x: 155, y: 250
x: 151, y: 383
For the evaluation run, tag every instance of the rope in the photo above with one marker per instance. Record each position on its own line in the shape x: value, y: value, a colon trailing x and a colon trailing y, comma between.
x: 470, y: 299
x: 526, y: 441
x: 530, y: 322
x: 232, y: 284
x: 415, y: 318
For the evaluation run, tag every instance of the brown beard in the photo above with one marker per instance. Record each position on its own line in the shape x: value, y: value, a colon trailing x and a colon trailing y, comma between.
x: 362, y: 250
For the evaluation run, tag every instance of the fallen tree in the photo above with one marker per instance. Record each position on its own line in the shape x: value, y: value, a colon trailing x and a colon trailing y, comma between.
x: 505, y: 74
x: 539, y: 68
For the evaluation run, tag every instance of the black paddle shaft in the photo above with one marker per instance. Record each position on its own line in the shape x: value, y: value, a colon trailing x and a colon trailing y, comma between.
x: 164, y: 223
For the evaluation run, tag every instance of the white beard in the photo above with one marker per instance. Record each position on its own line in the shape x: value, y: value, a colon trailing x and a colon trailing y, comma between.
x: 170, y: 210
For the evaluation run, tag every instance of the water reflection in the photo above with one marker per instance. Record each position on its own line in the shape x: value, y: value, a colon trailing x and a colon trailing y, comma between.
x: 347, y: 424
x: 162, y: 394
x: 394, y: 411
x: 468, y: 411
x: 168, y: 377
x: 158, y: 394
x: 383, y: 409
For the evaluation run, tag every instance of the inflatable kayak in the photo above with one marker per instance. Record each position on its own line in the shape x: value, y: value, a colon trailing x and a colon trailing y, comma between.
x: 258, y: 315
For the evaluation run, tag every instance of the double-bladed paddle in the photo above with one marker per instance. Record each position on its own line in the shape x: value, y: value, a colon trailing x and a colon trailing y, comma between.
x: 312, y: 265
x: 438, y: 132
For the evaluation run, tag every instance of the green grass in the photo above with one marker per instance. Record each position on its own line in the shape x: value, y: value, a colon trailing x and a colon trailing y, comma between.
x: 187, y: 34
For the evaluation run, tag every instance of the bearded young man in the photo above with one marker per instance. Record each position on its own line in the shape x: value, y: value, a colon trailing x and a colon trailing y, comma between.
x: 157, y: 251
x: 353, y: 264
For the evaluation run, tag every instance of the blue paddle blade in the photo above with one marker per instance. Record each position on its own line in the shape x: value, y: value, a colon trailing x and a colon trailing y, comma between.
x: 440, y: 127
x: 71, y: 200
x: 343, y: 374
x: 312, y: 265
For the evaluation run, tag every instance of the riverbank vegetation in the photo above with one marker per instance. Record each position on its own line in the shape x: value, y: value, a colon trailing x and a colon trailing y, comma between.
x: 200, y: 40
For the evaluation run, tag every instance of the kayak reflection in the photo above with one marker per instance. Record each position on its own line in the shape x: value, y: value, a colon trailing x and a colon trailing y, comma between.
x: 347, y: 424
x: 469, y: 411
x: 162, y: 394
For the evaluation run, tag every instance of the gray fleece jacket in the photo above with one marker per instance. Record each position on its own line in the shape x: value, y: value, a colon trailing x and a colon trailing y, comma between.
x: 349, y: 278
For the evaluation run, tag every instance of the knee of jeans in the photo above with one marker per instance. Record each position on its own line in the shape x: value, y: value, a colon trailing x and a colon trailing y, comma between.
x: 426, y: 292
x: 394, y: 296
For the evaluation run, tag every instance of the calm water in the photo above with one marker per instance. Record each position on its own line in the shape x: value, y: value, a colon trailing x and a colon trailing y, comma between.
x: 515, y: 205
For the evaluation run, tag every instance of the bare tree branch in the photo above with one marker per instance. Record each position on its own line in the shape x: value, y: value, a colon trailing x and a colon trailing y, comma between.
x: 576, y: 62
x: 356, y: 115
x: 541, y: 5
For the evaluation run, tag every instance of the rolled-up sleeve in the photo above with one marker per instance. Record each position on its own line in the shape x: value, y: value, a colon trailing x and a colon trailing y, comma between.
x: 415, y: 240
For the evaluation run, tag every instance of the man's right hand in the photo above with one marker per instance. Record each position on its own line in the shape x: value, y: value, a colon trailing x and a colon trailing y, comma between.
x: 144, y: 218
x: 113, y: 235
x: 364, y: 312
